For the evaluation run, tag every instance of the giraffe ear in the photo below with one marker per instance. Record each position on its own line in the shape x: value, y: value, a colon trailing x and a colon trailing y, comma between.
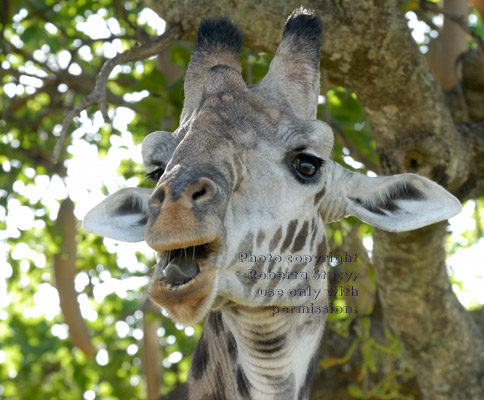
x: 121, y: 216
x: 393, y: 203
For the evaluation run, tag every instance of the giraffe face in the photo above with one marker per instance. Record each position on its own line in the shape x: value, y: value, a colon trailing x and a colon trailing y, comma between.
x: 242, y: 168
x: 249, y: 171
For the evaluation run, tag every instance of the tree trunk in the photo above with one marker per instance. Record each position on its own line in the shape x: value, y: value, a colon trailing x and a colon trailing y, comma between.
x: 438, y: 336
x: 65, y: 272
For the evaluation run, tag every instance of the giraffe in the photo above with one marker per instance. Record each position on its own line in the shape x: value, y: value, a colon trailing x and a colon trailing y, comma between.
x: 245, y: 186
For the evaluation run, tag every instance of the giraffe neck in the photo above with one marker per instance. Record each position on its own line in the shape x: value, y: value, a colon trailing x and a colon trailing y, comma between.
x: 245, y: 353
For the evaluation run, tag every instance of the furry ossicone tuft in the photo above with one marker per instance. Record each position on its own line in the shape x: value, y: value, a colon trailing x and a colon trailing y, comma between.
x: 219, y: 34
x: 304, y: 24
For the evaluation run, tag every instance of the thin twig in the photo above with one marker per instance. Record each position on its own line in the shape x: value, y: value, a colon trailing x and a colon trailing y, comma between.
x: 354, y: 150
x: 98, y: 94
x: 460, y: 90
x: 141, y: 52
x: 422, y: 16
x: 457, y: 18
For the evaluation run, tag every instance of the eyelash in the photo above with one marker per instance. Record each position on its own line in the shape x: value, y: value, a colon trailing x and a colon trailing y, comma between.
x: 155, y: 175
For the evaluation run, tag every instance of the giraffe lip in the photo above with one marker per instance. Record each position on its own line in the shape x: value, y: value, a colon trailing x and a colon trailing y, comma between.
x: 183, y: 264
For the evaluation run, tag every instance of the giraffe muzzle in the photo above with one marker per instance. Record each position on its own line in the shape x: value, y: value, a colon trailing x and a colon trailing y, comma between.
x: 184, y: 212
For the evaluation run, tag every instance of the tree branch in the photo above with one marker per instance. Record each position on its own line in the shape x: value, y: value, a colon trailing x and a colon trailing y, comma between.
x: 65, y: 272
x: 472, y: 155
x: 98, y: 95
x: 457, y: 18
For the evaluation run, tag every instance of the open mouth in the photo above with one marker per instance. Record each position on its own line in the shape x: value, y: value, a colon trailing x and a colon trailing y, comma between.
x: 183, y: 280
x: 182, y: 265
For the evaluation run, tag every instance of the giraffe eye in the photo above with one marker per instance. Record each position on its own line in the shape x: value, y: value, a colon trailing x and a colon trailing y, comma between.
x: 306, y: 165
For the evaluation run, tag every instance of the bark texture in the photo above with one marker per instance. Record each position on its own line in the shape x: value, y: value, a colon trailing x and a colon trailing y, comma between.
x: 438, y: 335
x: 369, y: 50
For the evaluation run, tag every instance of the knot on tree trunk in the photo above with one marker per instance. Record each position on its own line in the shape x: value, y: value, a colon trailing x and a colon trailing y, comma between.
x: 420, y: 153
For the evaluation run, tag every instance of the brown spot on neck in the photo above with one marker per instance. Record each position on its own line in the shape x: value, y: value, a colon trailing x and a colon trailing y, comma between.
x: 291, y: 230
x: 301, y: 237
x: 275, y: 239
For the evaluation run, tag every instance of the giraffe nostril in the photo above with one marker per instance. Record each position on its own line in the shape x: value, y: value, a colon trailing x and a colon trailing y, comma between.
x: 203, y: 189
x: 199, y: 194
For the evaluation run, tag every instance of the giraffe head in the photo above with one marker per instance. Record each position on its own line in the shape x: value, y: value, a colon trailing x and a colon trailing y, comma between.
x: 248, y: 172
